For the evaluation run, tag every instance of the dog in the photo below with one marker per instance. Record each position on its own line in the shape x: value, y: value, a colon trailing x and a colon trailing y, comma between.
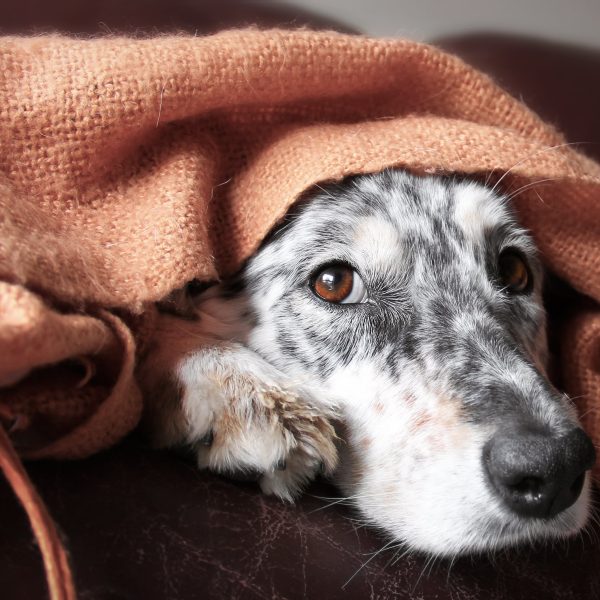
x: 391, y: 335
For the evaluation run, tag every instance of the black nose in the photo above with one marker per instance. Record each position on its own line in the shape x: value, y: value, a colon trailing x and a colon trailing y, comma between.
x: 538, y: 474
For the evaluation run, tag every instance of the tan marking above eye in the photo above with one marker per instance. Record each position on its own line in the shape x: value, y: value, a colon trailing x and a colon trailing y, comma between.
x: 340, y: 284
x: 514, y: 272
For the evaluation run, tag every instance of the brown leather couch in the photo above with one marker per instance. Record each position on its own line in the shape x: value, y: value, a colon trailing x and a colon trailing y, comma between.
x: 141, y: 524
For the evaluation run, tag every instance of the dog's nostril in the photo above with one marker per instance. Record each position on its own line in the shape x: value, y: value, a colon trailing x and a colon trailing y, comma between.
x: 577, y: 485
x: 529, y: 487
x: 538, y: 474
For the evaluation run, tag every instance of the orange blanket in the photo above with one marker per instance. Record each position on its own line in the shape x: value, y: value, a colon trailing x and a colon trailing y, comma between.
x: 128, y: 167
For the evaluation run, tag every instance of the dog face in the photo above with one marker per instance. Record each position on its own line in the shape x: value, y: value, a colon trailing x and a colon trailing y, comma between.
x: 413, y: 305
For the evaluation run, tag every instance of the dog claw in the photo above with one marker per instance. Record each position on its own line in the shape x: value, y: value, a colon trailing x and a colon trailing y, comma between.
x: 207, y: 440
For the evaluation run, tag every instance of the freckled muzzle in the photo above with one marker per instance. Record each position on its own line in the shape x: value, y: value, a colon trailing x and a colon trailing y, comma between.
x: 537, y: 473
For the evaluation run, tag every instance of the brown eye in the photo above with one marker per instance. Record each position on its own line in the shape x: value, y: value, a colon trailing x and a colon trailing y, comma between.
x: 514, y: 272
x: 340, y: 284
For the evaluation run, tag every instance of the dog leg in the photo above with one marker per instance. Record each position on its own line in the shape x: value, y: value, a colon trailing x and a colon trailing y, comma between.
x: 234, y: 410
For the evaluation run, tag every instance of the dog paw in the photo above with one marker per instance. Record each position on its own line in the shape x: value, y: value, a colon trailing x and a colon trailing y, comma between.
x: 279, y: 437
x: 312, y: 450
x: 238, y: 414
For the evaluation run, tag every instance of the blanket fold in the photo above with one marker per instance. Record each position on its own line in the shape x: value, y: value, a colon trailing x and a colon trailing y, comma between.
x: 128, y: 167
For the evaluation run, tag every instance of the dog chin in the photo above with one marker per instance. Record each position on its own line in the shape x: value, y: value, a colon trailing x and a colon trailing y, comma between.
x: 516, y: 531
x: 478, y: 531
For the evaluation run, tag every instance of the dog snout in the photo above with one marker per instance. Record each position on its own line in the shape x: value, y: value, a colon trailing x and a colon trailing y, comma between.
x: 537, y: 473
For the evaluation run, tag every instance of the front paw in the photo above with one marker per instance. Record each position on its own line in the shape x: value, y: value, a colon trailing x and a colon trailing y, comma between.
x: 312, y: 451
x: 282, y: 438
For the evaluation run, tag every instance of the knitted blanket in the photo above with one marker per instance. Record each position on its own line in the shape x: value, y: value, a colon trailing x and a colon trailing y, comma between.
x: 128, y: 167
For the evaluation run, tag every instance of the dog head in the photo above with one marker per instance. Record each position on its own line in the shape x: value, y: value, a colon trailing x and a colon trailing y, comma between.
x: 414, y: 305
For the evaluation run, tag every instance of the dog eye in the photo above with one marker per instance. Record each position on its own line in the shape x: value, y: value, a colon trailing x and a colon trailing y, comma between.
x: 340, y: 284
x: 514, y: 272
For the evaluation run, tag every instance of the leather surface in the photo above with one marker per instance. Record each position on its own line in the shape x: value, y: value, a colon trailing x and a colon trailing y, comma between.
x: 150, y: 17
x: 144, y: 524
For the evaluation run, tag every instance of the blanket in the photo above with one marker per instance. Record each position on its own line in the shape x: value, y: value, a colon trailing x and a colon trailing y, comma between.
x: 131, y: 166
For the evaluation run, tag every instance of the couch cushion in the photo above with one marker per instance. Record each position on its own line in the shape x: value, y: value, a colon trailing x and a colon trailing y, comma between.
x: 145, y: 524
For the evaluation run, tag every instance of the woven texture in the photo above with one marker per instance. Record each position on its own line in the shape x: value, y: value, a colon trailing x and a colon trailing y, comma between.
x: 128, y: 167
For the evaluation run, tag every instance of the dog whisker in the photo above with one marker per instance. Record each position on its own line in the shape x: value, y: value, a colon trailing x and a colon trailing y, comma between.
x: 528, y: 186
x: 533, y: 155
x: 374, y: 555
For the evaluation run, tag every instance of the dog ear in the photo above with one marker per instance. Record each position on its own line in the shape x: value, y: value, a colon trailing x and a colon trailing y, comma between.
x: 163, y: 421
x: 182, y: 301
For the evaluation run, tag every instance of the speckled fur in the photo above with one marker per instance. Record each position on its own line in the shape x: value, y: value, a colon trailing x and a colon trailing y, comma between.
x: 418, y: 377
